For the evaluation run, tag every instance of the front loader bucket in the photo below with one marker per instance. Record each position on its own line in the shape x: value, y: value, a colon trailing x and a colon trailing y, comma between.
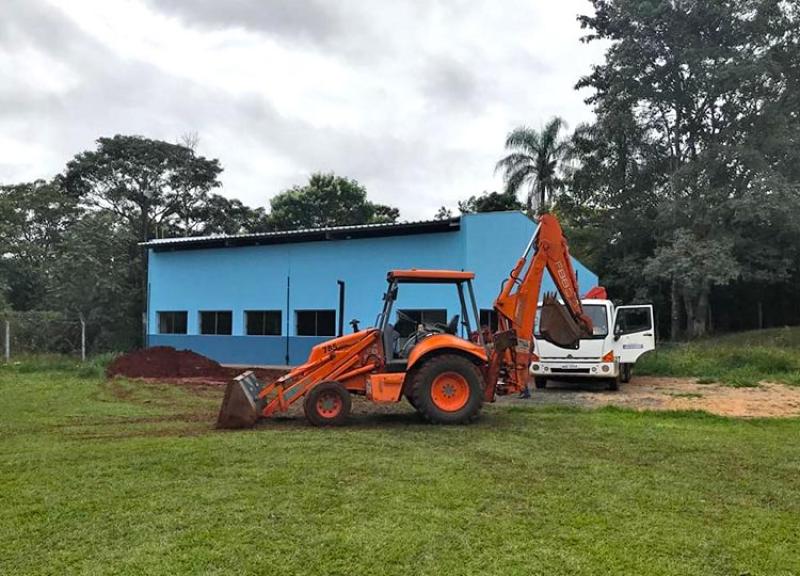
x: 556, y: 325
x: 241, y: 405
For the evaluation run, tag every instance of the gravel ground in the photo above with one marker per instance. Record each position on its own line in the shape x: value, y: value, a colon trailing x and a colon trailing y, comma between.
x: 657, y: 393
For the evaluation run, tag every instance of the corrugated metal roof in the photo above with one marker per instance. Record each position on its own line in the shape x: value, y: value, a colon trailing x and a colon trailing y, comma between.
x: 306, y: 235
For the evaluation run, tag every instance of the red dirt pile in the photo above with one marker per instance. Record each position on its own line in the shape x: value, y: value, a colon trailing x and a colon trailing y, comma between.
x: 167, y: 362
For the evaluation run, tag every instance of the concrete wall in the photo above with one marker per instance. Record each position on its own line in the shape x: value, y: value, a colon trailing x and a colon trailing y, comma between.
x: 263, y: 277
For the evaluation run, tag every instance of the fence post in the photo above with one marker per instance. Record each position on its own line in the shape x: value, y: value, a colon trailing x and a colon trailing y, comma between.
x: 8, y: 341
x: 83, y: 339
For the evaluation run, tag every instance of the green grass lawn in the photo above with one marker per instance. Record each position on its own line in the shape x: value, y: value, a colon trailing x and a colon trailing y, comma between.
x: 126, y: 478
x: 741, y: 359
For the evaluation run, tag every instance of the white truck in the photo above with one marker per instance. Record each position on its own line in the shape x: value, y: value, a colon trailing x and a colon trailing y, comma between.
x: 608, y: 355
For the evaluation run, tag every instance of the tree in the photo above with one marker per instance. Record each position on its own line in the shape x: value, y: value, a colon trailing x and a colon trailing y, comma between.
x: 96, y: 277
x: 216, y: 214
x: 444, y: 213
x: 327, y: 200
x: 151, y: 184
x: 696, y: 266
x: 34, y: 217
x: 684, y: 100
x: 486, y: 202
x: 535, y: 160
x: 491, y: 202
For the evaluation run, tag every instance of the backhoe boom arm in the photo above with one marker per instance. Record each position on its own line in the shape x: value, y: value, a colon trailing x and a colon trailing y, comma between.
x: 518, y: 302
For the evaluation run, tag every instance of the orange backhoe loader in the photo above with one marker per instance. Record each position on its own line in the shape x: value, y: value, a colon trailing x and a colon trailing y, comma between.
x: 445, y: 377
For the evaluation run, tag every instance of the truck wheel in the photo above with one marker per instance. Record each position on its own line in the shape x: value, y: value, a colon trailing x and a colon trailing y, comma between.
x: 447, y: 389
x: 625, y: 373
x: 613, y: 383
x: 540, y: 383
x: 328, y: 404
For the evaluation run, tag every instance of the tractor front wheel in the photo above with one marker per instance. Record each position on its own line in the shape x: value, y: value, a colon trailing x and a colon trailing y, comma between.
x: 327, y: 404
x: 447, y: 389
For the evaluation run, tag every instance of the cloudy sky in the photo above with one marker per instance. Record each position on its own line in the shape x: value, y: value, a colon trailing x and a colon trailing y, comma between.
x: 413, y: 98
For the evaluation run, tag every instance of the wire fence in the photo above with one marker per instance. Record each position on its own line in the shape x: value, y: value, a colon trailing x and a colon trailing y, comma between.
x: 26, y: 333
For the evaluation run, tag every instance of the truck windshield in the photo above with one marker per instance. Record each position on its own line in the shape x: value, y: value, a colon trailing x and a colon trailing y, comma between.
x: 597, y: 312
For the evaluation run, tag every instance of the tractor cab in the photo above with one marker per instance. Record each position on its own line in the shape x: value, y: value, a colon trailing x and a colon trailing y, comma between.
x: 398, y: 346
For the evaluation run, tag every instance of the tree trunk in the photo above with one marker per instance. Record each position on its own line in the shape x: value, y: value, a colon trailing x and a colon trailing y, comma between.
x: 688, y: 303
x: 675, y: 313
x: 143, y: 273
x: 543, y: 200
x: 710, y: 317
x: 700, y: 328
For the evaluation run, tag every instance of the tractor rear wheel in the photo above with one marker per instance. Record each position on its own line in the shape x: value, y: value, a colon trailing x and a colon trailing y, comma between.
x: 327, y: 404
x: 447, y: 389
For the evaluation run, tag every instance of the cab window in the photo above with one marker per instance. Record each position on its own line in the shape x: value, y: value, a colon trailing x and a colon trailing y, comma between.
x: 599, y: 316
x: 632, y: 320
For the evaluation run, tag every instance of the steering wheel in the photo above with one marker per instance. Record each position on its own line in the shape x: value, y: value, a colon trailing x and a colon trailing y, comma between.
x: 452, y: 326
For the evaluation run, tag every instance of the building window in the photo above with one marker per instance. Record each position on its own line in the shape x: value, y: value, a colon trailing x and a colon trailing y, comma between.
x: 316, y: 322
x: 263, y: 322
x: 172, y: 322
x: 216, y: 322
x: 406, y: 327
x: 489, y: 318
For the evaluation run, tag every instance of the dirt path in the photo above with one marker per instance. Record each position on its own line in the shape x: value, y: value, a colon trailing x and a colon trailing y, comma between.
x: 644, y: 393
x: 655, y: 393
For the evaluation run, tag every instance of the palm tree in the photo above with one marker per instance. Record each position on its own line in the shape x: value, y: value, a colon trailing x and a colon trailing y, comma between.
x: 535, y: 159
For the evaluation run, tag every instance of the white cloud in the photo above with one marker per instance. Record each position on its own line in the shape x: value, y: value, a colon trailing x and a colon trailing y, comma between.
x: 412, y: 98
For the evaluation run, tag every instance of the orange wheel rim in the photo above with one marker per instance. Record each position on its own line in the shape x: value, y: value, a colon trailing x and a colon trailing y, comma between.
x: 329, y: 404
x: 450, y: 391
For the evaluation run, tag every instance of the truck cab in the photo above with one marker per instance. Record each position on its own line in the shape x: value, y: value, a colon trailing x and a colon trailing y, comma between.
x: 621, y: 335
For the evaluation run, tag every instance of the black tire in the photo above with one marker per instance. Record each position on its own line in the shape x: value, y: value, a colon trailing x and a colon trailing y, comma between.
x: 625, y: 373
x: 613, y: 384
x: 540, y: 383
x: 457, y: 367
x: 315, y: 400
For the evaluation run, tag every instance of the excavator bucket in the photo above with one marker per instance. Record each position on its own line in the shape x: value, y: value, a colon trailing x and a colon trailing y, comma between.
x: 241, y: 405
x: 556, y: 325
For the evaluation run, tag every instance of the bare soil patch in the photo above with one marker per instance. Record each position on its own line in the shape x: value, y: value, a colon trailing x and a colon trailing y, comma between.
x: 164, y: 363
x: 204, y: 376
x: 768, y: 400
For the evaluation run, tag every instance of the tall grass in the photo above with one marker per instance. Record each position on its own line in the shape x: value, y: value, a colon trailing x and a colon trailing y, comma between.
x: 93, y: 367
x: 742, y: 359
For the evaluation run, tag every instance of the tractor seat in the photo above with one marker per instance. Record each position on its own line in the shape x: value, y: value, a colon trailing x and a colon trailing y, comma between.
x: 452, y: 326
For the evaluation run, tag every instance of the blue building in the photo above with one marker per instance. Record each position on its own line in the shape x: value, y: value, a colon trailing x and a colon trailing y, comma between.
x: 266, y: 299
